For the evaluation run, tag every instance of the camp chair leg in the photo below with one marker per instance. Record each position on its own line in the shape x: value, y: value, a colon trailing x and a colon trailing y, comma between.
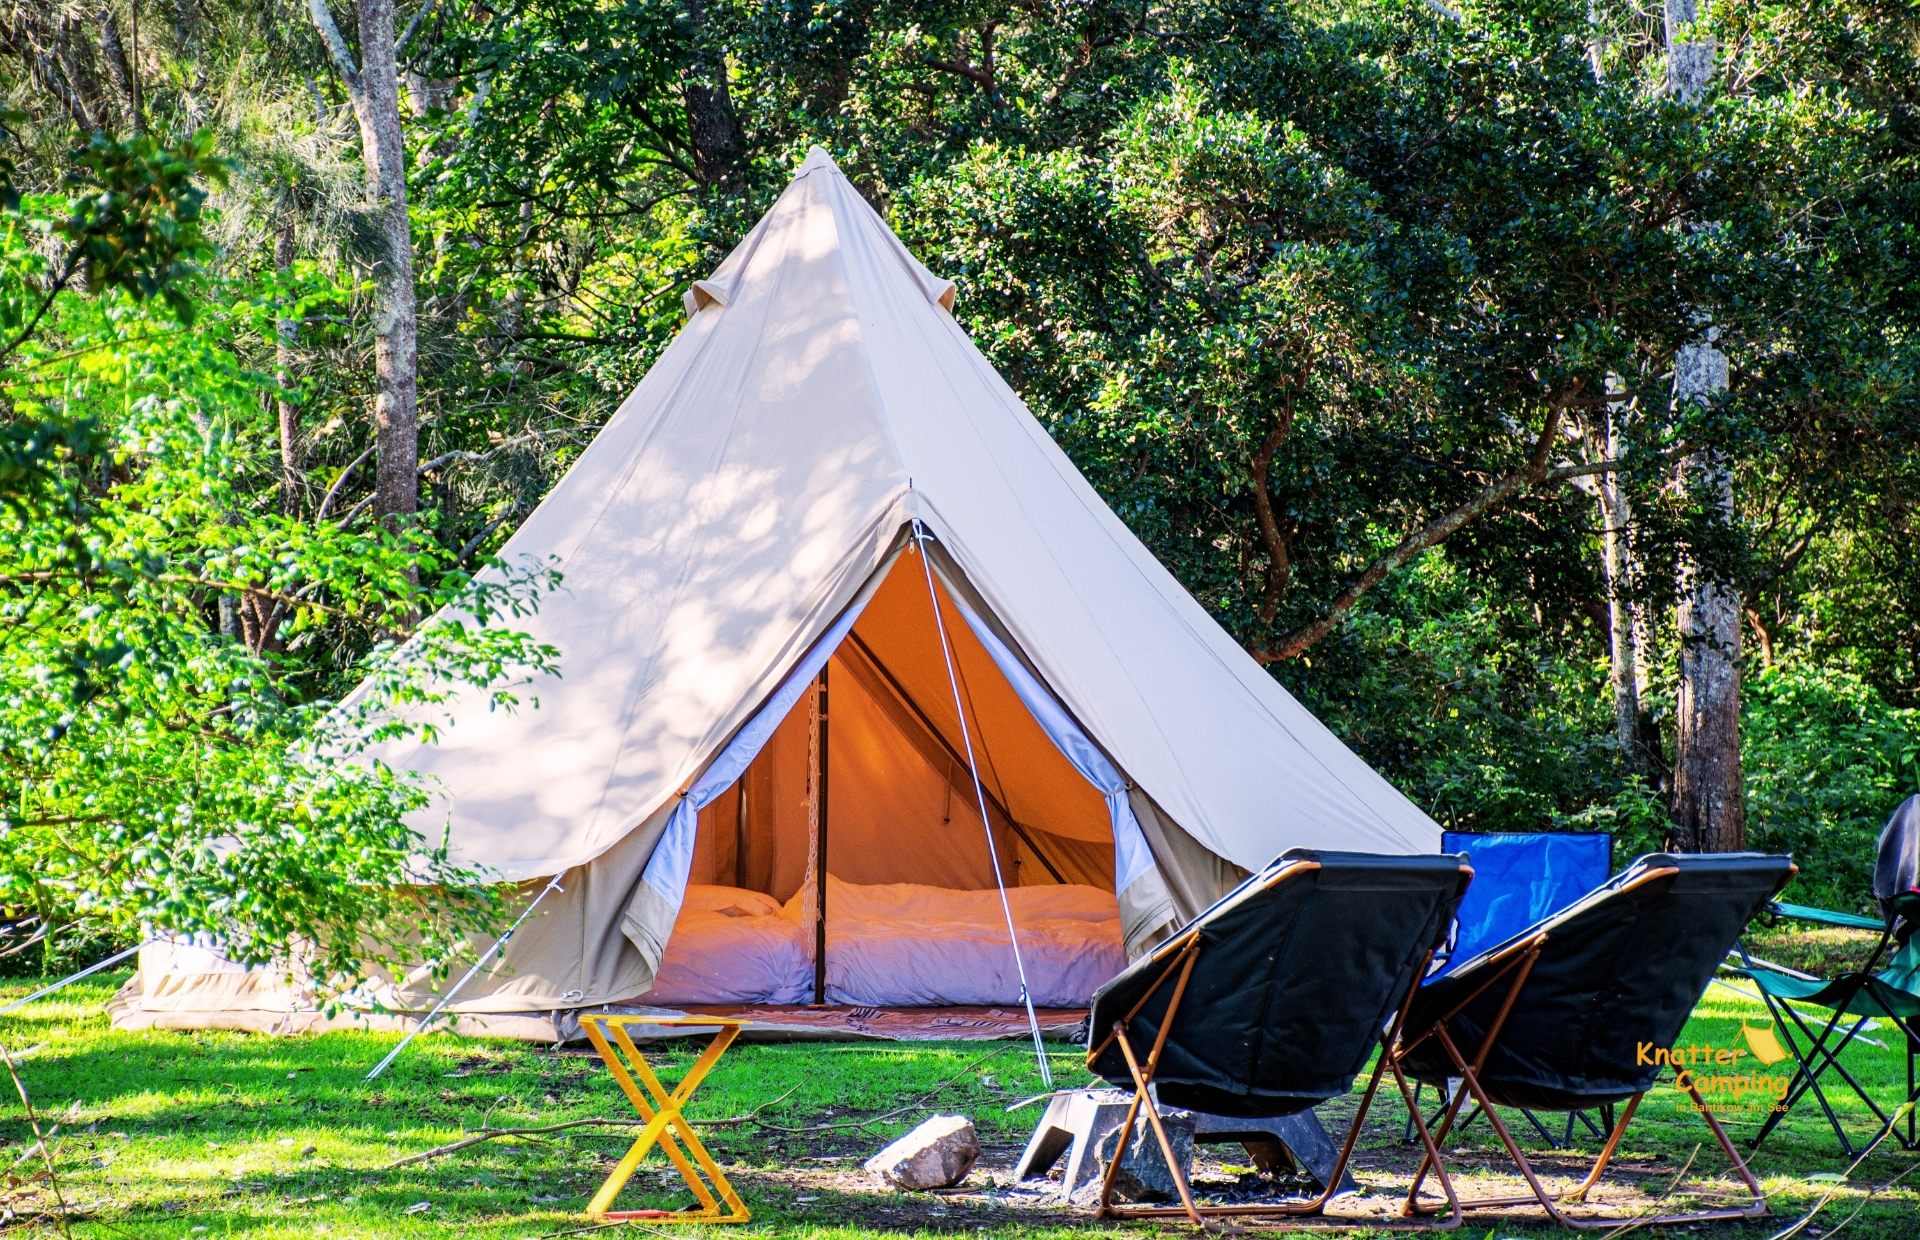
x: 1303, y: 1212
x: 1912, y: 1138
x: 1905, y: 1114
x: 1446, y: 1120
x: 1519, y: 968
x: 1143, y: 1093
x: 1805, y: 1078
x: 1816, y: 1060
x: 666, y: 1125
x: 1551, y: 1202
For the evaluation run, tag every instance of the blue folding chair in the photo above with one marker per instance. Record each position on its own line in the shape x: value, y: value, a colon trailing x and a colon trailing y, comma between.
x: 1520, y: 879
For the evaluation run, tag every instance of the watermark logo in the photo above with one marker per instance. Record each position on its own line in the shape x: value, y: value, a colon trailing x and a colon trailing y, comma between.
x: 1726, y: 1076
x: 1764, y: 1044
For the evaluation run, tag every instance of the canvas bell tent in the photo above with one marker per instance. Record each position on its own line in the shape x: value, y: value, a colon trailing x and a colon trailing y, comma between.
x: 830, y: 593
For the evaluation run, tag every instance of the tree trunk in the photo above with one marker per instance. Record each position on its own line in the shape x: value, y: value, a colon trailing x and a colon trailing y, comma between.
x: 395, y: 315
x: 1709, y: 801
x: 113, y: 53
x: 374, y: 85
x: 1623, y: 637
x: 284, y: 330
x: 719, y: 144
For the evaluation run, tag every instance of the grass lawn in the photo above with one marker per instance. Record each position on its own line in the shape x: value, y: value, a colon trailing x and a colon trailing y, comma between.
x: 217, y: 1134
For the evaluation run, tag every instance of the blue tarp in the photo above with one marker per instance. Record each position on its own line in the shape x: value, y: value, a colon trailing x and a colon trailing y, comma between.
x: 1520, y: 879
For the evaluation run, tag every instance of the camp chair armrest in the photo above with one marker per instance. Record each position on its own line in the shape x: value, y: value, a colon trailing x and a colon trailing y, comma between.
x: 1826, y: 917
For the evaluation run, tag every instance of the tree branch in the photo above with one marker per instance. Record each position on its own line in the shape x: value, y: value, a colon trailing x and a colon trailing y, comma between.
x: 336, y: 45
x: 406, y: 36
x: 340, y: 480
x: 1278, y: 542
x: 1536, y: 471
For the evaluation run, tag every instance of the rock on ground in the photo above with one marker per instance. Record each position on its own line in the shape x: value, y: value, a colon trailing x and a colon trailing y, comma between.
x: 937, y: 1154
x: 1143, y: 1174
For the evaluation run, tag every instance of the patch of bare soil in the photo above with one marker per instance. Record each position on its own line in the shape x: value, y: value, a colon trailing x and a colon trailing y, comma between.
x: 831, y: 1186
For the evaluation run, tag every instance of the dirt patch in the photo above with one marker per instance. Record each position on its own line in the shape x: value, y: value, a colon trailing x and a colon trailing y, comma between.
x: 831, y: 1186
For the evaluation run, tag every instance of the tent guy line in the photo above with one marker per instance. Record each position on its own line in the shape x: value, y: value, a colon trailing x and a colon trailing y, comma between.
x: 552, y: 885
x: 980, y: 796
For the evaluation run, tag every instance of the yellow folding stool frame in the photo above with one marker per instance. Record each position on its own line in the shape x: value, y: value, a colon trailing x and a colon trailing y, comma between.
x: 666, y: 1121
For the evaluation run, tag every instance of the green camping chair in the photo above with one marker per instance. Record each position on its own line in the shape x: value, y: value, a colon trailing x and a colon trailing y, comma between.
x: 1886, y: 988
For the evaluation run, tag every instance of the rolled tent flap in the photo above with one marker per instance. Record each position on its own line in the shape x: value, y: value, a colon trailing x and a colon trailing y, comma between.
x: 1146, y: 906
x: 663, y: 884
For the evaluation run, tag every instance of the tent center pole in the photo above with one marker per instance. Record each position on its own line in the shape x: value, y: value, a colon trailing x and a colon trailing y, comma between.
x: 820, y: 855
x: 740, y: 832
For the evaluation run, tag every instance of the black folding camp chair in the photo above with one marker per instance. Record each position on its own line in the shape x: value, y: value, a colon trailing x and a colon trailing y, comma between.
x: 1520, y: 878
x: 1886, y: 987
x: 1563, y: 1015
x: 1271, y: 1001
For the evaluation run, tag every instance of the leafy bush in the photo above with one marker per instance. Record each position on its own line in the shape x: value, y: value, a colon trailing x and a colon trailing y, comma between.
x: 1827, y: 759
x: 164, y: 768
x: 1480, y: 710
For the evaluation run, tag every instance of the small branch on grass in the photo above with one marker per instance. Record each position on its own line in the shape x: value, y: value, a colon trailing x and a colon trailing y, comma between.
x: 1806, y: 1220
x: 590, y: 1228
x: 484, y: 1133
x: 40, y: 1137
x: 489, y: 1134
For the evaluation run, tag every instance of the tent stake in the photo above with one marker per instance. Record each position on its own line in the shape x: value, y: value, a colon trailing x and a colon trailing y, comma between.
x: 552, y: 885
x: 980, y: 796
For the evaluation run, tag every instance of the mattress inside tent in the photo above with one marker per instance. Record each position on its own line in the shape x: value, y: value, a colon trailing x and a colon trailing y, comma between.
x: 892, y: 945
x: 913, y: 910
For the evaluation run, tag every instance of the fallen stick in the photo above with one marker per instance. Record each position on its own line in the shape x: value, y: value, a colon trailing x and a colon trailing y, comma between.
x: 484, y: 1134
x: 751, y: 1118
x: 489, y: 1134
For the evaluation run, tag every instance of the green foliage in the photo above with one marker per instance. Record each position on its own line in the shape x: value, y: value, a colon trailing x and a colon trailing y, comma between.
x: 1827, y: 760
x: 160, y: 776
x: 1290, y: 284
x: 135, y: 219
x: 1480, y: 705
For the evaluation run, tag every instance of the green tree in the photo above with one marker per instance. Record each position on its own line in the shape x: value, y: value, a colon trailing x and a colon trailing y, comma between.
x: 161, y: 777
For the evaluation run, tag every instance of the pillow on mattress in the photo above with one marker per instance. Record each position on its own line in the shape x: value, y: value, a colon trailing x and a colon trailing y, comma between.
x: 920, y: 902
x: 733, y: 901
x: 1064, y: 902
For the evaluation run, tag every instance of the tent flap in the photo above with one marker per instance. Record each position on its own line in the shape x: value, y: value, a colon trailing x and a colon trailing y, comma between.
x: 663, y: 883
x: 1133, y: 864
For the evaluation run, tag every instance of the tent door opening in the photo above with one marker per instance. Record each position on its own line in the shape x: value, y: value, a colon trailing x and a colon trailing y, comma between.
x: 847, y: 864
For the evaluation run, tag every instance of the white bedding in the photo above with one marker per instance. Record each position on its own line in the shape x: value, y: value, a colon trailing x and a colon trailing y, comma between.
x: 733, y: 946
x: 908, y: 945
x: 892, y: 945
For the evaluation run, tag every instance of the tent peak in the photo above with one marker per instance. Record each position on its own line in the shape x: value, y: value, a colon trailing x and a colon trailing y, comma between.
x: 838, y: 208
